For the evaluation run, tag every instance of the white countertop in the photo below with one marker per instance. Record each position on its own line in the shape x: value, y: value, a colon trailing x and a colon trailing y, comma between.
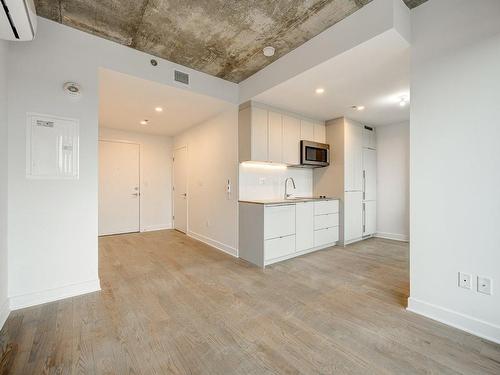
x: 288, y: 201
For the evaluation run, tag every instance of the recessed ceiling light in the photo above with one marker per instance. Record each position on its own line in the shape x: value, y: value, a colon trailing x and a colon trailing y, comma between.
x: 320, y: 90
x: 144, y: 122
x: 268, y: 51
x: 403, y: 102
x: 358, y: 107
x: 159, y: 109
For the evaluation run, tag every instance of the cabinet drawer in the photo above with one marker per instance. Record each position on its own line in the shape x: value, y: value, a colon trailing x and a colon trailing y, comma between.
x: 326, y: 221
x: 279, y: 221
x: 326, y: 236
x: 326, y: 207
x: 279, y: 247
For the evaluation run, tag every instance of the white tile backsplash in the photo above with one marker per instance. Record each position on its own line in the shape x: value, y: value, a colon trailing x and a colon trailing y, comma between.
x: 265, y: 183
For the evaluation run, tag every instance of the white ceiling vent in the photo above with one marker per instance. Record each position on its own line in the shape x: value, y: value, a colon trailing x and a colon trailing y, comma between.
x: 181, y: 77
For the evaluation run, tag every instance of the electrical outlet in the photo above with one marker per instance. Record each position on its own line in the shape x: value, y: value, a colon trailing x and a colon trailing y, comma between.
x: 262, y: 180
x: 484, y: 285
x: 464, y: 280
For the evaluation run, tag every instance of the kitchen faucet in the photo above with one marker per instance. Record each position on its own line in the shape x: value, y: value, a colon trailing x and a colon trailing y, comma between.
x: 287, y: 195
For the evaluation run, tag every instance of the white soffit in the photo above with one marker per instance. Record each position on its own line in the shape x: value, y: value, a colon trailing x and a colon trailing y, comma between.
x: 376, y: 18
x: 375, y: 74
x: 124, y: 101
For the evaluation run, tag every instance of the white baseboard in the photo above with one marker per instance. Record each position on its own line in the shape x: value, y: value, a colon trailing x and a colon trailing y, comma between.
x: 218, y: 245
x: 4, y: 312
x: 151, y: 228
x: 455, y: 319
x: 392, y: 236
x: 50, y: 295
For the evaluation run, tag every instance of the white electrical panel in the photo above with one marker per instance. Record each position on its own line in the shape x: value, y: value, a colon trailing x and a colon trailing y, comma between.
x: 51, y: 147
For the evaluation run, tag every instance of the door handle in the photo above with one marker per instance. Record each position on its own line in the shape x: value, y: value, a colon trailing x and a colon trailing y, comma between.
x: 184, y: 195
x: 135, y: 194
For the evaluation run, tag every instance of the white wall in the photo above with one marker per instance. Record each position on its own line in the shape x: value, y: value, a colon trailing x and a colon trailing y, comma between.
x: 52, y: 234
x: 393, y: 175
x: 212, y: 160
x: 156, y: 176
x: 4, y: 307
x: 260, y: 182
x: 455, y: 159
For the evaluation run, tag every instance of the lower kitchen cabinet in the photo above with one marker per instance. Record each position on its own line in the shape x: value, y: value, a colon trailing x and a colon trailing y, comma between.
x: 269, y: 233
x: 279, y: 247
x: 304, y: 212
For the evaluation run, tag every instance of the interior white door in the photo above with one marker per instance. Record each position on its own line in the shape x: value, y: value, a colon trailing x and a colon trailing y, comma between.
x: 119, y: 182
x: 370, y: 174
x: 180, y: 189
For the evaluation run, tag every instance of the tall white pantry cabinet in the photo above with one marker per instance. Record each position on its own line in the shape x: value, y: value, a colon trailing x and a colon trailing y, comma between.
x: 351, y: 177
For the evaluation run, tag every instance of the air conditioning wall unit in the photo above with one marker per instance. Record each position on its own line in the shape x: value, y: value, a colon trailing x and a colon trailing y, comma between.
x: 17, y: 20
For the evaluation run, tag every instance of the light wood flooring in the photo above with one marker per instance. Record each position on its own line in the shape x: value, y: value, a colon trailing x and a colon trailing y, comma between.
x: 172, y: 305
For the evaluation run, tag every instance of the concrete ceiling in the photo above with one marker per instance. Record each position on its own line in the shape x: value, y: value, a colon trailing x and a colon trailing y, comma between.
x: 124, y: 101
x: 375, y: 74
x: 223, y: 38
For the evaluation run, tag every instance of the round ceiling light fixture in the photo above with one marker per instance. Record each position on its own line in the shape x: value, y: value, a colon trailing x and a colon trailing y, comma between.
x: 72, y: 89
x: 144, y: 122
x: 268, y: 51
x: 320, y: 90
x: 358, y: 107
x: 159, y: 109
x: 403, y: 102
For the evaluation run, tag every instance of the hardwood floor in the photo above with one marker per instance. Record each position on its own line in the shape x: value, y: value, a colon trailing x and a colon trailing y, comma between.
x: 172, y: 305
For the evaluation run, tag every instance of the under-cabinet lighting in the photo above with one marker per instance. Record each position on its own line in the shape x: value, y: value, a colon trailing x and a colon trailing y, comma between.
x: 262, y: 165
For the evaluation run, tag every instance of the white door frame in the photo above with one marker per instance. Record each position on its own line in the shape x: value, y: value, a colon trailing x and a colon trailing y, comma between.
x: 187, y: 188
x: 141, y: 229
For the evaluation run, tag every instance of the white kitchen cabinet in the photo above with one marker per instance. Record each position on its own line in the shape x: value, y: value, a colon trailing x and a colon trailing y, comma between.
x: 326, y: 221
x: 275, y: 121
x: 279, y: 247
x: 319, y: 132
x: 269, y: 233
x: 326, y: 207
x: 307, y: 130
x: 353, y: 216
x: 304, y: 230
x: 369, y: 139
x: 270, y: 135
x: 279, y: 221
x: 353, y: 157
x: 369, y: 174
x: 326, y: 236
x: 291, y: 140
x: 369, y: 218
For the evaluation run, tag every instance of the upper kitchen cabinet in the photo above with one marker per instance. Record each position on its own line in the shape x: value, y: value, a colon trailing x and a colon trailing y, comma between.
x: 253, y: 137
x: 353, y: 157
x: 291, y: 140
x: 319, y: 132
x: 369, y: 138
x: 307, y: 130
x: 275, y: 140
x: 271, y: 135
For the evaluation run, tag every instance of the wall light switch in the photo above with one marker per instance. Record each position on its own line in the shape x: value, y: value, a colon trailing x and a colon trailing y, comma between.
x: 262, y: 181
x: 464, y: 280
x: 484, y: 285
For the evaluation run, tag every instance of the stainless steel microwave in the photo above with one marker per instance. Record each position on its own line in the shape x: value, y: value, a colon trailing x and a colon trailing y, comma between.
x: 314, y: 155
